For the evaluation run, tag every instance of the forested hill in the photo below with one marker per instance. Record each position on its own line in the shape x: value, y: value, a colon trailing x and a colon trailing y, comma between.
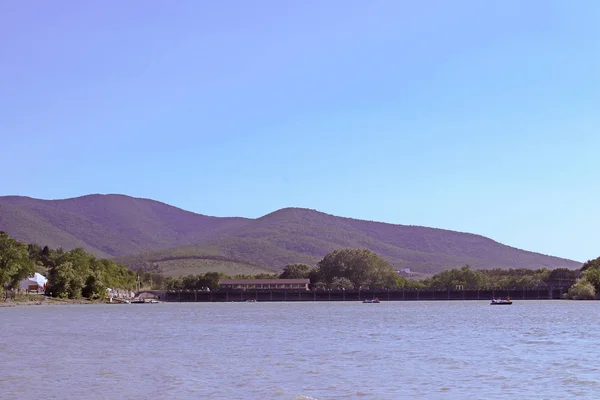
x: 107, y: 225
x: 118, y: 226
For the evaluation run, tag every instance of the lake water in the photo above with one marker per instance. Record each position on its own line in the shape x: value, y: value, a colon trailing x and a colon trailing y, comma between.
x: 395, y: 350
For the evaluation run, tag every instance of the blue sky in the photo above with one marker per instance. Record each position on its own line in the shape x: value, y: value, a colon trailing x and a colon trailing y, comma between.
x: 477, y: 116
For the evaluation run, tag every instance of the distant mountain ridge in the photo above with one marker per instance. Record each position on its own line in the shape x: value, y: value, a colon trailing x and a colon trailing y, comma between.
x: 141, y: 231
x: 106, y: 225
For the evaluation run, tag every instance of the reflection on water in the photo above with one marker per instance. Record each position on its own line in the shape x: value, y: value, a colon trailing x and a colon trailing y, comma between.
x: 542, y: 349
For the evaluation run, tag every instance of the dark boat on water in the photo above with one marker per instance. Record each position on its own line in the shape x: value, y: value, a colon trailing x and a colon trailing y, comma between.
x: 375, y: 300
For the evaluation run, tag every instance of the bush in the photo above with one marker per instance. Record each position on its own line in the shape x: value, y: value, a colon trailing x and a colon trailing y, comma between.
x: 582, y: 290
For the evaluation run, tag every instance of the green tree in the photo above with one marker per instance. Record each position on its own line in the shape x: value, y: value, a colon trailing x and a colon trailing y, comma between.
x: 190, y: 282
x: 94, y: 288
x: 400, y: 282
x: 464, y: 277
x: 65, y: 282
x: 48, y: 257
x: 315, y: 276
x: 560, y: 277
x: 34, y: 251
x: 80, y: 260
x: 173, y: 284
x: 362, y: 267
x: 15, y: 264
x: 342, y: 283
x: 295, y: 271
x: 582, y: 290
x: 77, y: 270
x: 591, y: 264
x: 592, y: 275
x: 195, y: 282
x: 359, y: 266
x: 211, y: 279
x: 332, y: 266
x: 383, y: 274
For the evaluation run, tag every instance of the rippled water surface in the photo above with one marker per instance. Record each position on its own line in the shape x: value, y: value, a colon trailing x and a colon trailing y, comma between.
x: 395, y: 350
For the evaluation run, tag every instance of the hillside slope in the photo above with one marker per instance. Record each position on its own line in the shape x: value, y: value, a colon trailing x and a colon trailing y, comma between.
x: 107, y: 225
x: 301, y: 235
x: 142, y: 232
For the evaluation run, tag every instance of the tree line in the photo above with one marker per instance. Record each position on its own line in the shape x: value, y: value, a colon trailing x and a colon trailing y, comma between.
x: 76, y: 273
x: 351, y: 268
x: 513, y: 278
x: 71, y: 274
x: 357, y: 268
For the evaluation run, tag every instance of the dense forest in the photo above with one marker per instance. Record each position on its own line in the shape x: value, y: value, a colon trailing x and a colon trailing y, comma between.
x: 76, y: 273
x: 71, y: 274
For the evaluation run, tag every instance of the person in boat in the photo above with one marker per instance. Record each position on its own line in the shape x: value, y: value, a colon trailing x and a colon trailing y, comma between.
x: 507, y: 298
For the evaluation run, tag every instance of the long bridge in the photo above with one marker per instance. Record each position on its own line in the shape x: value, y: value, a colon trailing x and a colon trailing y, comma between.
x: 263, y: 295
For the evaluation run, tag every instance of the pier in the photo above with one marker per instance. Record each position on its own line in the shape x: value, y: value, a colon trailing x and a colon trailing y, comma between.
x: 266, y: 295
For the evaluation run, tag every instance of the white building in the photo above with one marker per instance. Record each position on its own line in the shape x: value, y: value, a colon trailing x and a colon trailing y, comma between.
x: 34, y: 284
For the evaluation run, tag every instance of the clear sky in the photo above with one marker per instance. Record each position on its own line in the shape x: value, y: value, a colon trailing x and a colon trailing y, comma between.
x: 470, y: 115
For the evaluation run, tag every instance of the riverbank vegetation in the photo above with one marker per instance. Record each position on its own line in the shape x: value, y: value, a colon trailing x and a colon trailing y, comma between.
x: 354, y: 268
x: 75, y: 274
x: 15, y: 263
x: 469, y: 279
x: 71, y: 274
x: 588, y: 285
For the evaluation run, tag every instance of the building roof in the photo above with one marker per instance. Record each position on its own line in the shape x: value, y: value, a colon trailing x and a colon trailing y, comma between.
x: 264, y: 281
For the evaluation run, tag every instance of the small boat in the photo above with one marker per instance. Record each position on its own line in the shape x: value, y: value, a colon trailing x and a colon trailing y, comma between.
x: 371, y: 300
x: 251, y: 301
x: 501, y: 302
x: 142, y: 301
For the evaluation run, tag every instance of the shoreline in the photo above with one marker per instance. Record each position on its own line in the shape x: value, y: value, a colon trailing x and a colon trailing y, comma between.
x: 45, y: 300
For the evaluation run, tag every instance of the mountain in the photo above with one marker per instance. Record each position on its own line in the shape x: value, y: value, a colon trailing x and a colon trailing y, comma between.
x: 143, y: 232
x: 107, y: 225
